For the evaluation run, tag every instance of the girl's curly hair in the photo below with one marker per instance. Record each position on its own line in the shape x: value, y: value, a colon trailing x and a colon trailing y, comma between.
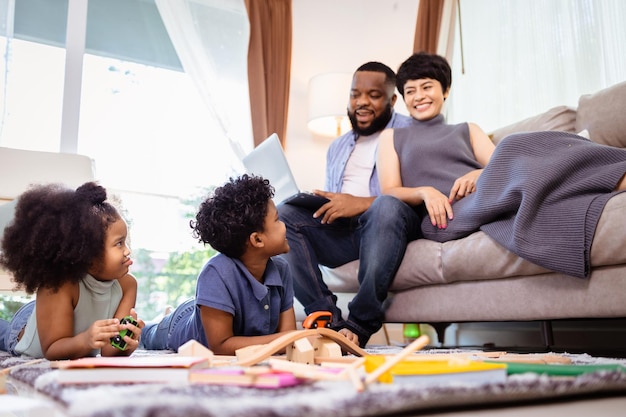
x: 232, y: 213
x: 57, y: 234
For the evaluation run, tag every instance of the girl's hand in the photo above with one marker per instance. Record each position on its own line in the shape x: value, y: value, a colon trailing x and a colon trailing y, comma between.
x: 99, y: 334
x: 437, y: 205
x: 132, y: 343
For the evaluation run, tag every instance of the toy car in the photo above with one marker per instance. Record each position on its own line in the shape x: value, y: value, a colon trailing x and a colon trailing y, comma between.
x: 118, y: 341
x: 317, y: 319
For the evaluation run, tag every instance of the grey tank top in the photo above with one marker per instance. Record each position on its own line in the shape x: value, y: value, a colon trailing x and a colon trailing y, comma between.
x: 97, y: 300
x: 433, y: 153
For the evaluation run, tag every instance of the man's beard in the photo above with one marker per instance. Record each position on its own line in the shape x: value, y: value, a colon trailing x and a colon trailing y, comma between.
x: 378, y: 124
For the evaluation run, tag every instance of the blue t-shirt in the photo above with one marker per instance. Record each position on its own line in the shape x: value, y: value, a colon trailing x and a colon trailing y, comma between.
x: 226, y: 284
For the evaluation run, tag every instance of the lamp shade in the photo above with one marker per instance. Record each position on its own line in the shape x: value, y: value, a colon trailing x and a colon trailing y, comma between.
x: 329, y: 94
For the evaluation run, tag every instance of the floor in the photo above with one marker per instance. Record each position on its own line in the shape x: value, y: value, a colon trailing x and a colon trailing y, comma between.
x: 25, y: 405
x: 22, y: 401
x: 596, y: 407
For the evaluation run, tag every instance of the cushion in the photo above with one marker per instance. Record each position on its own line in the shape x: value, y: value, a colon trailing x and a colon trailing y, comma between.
x: 602, y: 114
x: 561, y: 118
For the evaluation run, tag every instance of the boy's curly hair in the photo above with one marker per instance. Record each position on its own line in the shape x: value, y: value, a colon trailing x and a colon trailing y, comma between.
x: 57, y: 234
x: 227, y: 218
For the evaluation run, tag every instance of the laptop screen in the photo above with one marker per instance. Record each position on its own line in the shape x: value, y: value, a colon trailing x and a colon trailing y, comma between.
x: 269, y: 161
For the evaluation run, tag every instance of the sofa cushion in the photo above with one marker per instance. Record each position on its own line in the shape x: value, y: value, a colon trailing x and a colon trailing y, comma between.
x: 602, y: 114
x: 477, y: 257
x: 561, y: 118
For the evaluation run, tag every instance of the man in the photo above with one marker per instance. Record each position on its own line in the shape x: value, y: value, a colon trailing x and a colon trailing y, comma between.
x: 331, y: 236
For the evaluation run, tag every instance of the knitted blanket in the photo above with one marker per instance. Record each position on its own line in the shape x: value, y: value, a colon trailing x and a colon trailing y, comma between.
x: 540, y: 197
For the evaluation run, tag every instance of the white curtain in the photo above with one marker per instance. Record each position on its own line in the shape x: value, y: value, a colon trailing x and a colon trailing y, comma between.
x: 523, y: 57
x: 211, y: 40
x: 7, y: 12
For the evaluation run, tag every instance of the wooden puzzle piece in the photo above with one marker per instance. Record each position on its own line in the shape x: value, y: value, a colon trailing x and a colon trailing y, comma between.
x: 253, y: 355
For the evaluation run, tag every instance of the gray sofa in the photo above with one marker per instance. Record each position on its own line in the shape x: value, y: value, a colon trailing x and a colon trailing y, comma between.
x: 475, y: 280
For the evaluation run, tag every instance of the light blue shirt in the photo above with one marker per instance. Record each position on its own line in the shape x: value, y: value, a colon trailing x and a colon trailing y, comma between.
x: 340, y: 150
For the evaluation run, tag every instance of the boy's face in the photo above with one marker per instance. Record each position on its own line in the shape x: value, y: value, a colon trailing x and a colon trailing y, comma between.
x: 275, y: 232
x: 116, y: 259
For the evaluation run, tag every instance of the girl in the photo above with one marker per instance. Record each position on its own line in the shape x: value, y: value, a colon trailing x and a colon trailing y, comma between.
x: 69, y: 248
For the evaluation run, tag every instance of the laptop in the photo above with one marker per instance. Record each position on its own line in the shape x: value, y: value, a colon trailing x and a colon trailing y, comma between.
x: 268, y: 160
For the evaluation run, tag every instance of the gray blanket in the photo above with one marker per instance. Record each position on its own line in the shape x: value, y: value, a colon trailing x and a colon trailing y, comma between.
x: 540, y: 197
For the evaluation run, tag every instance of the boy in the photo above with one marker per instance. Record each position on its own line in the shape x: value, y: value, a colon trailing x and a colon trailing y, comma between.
x: 244, y: 294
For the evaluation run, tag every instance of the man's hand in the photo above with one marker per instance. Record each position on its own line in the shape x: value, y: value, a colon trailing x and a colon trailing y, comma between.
x: 341, y: 205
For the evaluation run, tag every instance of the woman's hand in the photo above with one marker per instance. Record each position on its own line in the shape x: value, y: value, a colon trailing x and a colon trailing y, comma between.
x: 437, y: 205
x: 464, y: 185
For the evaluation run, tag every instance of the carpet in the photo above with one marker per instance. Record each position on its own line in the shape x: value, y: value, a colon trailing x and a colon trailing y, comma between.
x: 310, y: 400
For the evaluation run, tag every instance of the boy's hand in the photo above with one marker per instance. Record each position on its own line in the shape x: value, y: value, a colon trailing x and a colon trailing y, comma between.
x: 349, y: 335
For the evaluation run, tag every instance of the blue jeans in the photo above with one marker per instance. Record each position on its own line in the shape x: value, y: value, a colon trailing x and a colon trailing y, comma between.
x: 163, y: 335
x: 311, y: 244
x: 9, y: 331
x: 378, y: 238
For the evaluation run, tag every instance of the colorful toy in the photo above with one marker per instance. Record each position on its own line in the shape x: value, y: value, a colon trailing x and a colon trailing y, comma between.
x: 118, y: 341
x: 317, y: 319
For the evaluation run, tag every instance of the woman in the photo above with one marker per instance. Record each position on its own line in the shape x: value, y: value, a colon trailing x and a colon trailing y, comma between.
x: 538, y: 194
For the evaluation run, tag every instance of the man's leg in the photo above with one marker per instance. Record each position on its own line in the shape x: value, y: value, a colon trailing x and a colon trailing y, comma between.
x: 387, y: 227
x: 311, y: 244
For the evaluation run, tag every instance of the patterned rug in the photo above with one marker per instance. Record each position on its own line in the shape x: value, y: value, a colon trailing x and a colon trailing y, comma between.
x: 309, y: 400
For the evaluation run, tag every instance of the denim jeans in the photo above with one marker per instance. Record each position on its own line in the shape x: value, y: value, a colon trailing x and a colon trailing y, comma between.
x: 162, y: 335
x: 312, y: 243
x: 386, y: 229
x: 9, y: 331
x: 378, y: 238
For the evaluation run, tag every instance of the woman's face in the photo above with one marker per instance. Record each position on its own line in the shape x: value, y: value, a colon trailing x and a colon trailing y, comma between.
x: 424, y: 98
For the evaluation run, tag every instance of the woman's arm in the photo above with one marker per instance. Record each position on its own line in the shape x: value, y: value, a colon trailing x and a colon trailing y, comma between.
x: 388, y: 166
x: 481, y: 144
x: 483, y: 148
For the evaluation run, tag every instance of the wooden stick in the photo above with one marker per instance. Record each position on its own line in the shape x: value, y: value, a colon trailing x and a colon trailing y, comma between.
x: 416, y: 345
x: 7, y: 370
x: 353, y: 376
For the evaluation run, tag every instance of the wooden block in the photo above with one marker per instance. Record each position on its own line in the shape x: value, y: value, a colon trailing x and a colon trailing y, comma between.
x: 195, y: 348
x: 301, y: 351
x: 244, y: 353
x: 326, y: 348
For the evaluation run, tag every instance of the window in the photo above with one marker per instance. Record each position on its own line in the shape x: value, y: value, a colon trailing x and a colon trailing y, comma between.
x: 523, y: 57
x: 157, y: 147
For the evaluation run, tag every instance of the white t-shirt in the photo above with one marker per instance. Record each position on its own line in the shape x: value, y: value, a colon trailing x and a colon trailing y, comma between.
x: 356, y: 176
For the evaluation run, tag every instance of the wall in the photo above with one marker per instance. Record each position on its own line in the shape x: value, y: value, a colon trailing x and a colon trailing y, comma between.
x: 339, y: 36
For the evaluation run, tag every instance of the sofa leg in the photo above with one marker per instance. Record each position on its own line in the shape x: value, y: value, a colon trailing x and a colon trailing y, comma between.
x: 440, y: 328
x: 546, y: 333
